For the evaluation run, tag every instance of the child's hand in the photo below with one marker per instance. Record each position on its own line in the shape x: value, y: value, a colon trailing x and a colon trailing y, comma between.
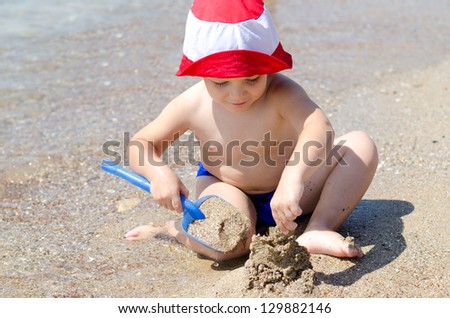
x: 166, y: 190
x: 285, y: 205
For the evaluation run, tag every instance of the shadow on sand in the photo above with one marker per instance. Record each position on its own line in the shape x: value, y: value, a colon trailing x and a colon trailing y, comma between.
x: 374, y: 223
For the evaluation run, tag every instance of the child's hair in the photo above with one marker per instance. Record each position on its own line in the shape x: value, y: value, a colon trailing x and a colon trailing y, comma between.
x: 231, y: 38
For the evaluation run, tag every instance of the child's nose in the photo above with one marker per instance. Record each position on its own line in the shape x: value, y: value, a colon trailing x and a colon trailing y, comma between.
x: 237, y: 92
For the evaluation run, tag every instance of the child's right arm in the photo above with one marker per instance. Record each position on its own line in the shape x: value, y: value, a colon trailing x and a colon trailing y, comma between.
x: 148, y: 145
x: 165, y: 184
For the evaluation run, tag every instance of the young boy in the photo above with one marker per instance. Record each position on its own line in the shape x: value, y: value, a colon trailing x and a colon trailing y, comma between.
x: 265, y: 146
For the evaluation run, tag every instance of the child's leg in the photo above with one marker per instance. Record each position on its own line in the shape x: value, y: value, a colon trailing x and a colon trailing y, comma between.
x: 205, y: 185
x: 334, y: 192
x: 142, y: 232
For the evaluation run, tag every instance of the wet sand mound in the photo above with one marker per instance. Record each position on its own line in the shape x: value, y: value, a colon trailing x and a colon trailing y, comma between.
x: 224, y: 227
x: 276, y: 261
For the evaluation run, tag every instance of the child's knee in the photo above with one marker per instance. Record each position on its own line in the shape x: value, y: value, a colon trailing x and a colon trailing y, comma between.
x: 364, y: 146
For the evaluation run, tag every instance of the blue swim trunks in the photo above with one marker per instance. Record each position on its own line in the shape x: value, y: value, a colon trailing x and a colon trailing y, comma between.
x: 260, y: 201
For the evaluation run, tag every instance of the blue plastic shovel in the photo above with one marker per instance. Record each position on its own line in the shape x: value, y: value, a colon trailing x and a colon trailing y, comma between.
x: 191, y: 211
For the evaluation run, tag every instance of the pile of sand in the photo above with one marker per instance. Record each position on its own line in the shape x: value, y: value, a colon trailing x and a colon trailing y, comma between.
x: 224, y: 226
x: 276, y: 261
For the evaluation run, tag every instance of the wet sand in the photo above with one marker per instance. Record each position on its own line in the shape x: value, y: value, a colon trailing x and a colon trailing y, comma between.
x: 224, y: 226
x: 380, y: 67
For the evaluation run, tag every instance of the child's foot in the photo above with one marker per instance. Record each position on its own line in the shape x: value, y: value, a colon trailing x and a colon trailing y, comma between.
x: 329, y: 243
x: 143, y: 232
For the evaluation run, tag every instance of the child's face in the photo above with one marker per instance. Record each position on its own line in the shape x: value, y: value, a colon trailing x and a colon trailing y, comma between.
x: 236, y: 94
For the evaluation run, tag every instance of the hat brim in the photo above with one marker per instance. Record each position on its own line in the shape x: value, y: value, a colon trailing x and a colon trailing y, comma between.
x: 236, y: 63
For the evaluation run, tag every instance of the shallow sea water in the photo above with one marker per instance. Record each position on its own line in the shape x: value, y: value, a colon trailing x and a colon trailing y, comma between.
x: 77, y: 74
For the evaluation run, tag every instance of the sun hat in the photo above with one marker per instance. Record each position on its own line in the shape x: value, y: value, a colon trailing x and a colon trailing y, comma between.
x: 231, y: 38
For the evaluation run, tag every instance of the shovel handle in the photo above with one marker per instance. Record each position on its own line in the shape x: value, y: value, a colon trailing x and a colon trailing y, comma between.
x: 131, y: 177
x: 138, y: 180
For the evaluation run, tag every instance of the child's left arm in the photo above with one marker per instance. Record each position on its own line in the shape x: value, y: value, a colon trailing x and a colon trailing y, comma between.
x: 308, y: 156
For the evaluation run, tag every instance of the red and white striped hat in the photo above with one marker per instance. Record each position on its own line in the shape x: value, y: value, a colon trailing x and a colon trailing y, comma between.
x: 231, y: 38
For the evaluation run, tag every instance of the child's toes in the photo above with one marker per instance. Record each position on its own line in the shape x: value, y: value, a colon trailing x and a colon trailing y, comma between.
x: 351, y: 249
x: 139, y: 233
x: 131, y: 235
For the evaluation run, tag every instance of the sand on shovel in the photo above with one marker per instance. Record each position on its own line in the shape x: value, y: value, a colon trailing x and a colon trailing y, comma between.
x: 224, y: 226
x: 276, y: 261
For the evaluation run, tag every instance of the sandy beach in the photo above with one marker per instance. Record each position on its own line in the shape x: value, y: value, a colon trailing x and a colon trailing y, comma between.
x: 99, y: 73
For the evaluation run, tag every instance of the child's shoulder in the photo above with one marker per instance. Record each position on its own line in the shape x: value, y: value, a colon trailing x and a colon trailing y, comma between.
x: 193, y: 94
x: 287, y: 93
x: 281, y: 85
x: 189, y: 99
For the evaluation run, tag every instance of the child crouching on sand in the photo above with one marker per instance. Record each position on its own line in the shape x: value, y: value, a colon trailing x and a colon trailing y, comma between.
x: 243, y: 101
